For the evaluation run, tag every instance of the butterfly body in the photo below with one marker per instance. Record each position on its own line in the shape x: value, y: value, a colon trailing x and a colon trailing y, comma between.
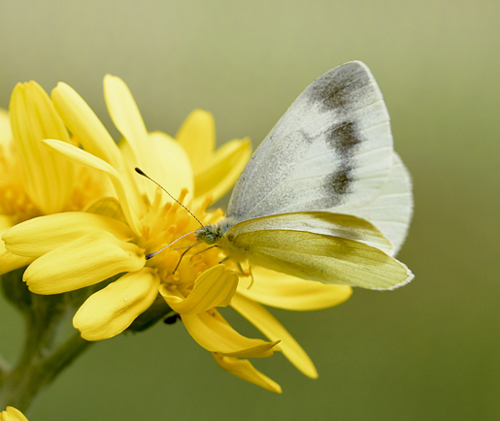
x: 213, y: 233
x: 324, y: 197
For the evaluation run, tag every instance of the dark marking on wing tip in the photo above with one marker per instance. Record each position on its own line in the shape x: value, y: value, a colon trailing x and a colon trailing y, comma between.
x: 343, y: 138
x: 331, y: 95
x: 332, y: 90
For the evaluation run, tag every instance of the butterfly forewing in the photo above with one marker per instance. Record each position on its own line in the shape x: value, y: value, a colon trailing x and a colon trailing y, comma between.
x: 333, y: 147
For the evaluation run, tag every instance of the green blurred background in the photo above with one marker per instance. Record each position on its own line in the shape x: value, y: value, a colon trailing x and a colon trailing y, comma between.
x: 430, y: 350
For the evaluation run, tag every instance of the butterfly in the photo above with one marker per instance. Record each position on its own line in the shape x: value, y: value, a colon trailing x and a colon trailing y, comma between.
x: 324, y: 197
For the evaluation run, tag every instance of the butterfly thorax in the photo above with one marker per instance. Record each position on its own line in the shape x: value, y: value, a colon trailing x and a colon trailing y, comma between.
x: 212, y: 233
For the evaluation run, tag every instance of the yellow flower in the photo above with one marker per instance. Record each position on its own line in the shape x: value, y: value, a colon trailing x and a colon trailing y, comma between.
x: 12, y: 414
x: 113, y: 236
x: 36, y: 181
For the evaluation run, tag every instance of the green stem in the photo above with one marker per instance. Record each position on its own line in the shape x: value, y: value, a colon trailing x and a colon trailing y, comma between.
x: 23, y: 383
x: 43, y: 356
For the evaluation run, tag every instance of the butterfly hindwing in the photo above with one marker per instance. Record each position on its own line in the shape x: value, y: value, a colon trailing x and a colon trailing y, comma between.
x: 325, y: 223
x: 391, y: 210
x: 318, y: 257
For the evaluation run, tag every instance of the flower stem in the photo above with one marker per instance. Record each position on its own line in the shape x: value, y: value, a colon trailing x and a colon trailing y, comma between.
x: 23, y: 383
x: 43, y: 356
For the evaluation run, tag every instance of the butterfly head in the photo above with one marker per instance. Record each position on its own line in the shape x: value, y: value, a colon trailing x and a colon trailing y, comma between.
x: 212, y: 233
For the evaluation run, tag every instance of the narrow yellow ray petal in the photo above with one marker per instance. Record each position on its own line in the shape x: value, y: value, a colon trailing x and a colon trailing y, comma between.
x: 126, y: 116
x: 246, y: 371
x: 86, y: 261
x: 128, y: 120
x: 213, y: 333
x: 10, y: 261
x: 77, y: 155
x: 84, y: 124
x: 38, y: 236
x: 166, y: 162
x: 213, y: 288
x: 290, y: 293
x: 197, y: 137
x: 94, y: 137
x: 111, y: 310
x: 47, y: 177
x: 170, y: 165
x: 219, y: 175
x: 274, y: 330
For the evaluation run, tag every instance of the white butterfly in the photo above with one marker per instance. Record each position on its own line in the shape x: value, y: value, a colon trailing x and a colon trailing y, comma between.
x: 324, y: 197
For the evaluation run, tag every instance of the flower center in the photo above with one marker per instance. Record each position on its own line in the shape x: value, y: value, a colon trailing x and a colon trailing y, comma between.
x: 180, y: 264
x: 14, y: 201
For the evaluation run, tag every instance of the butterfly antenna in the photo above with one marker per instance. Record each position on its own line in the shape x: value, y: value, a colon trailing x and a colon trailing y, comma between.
x: 150, y: 255
x: 139, y: 171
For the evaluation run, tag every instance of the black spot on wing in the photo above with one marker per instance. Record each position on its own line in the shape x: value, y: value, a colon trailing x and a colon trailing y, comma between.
x: 341, y: 180
x: 333, y: 90
x: 343, y: 138
x: 337, y: 185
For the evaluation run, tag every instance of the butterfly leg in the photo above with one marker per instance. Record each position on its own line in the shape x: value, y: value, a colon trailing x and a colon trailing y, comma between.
x: 201, y: 251
x: 182, y: 255
x: 245, y: 273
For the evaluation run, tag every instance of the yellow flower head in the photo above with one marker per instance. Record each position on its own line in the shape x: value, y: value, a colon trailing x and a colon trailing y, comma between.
x: 12, y: 414
x: 114, y: 235
x: 36, y: 181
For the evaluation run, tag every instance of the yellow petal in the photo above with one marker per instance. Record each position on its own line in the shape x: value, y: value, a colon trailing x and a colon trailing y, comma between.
x: 5, y: 132
x: 111, y: 310
x: 290, y: 293
x: 274, y: 330
x: 223, y: 170
x: 126, y: 116
x: 128, y: 120
x: 197, y: 137
x: 12, y: 414
x: 10, y: 261
x: 84, y: 124
x: 47, y: 177
x: 213, y: 288
x: 92, y: 134
x: 77, y: 155
x: 38, y: 236
x: 83, y: 262
x: 246, y: 371
x: 166, y: 162
x: 170, y: 164
x: 213, y: 333
x: 107, y: 206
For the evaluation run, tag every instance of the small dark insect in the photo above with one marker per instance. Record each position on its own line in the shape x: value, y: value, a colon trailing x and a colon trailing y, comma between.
x: 170, y: 320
